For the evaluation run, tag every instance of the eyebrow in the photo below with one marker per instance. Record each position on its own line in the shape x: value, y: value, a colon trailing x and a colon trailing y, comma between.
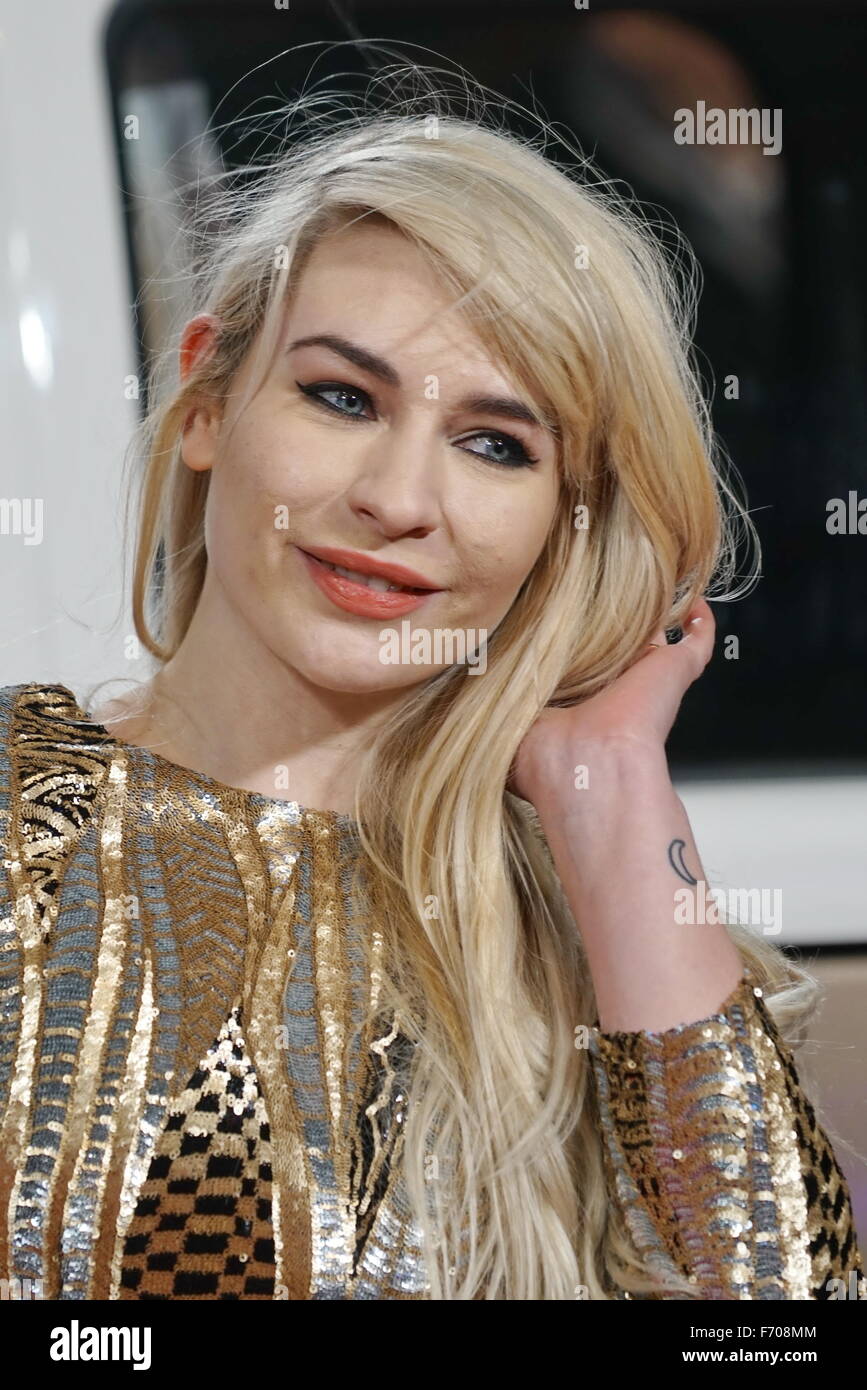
x: 507, y: 407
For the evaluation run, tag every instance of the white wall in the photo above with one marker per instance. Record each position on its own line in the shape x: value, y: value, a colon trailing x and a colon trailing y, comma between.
x: 66, y: 344
x: 803, y: 836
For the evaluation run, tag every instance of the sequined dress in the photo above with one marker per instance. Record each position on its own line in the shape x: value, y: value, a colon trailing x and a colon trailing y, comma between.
x: 188, y: 1108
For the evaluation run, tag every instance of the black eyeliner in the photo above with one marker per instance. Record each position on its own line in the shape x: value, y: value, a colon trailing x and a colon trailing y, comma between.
x: 310, y: 391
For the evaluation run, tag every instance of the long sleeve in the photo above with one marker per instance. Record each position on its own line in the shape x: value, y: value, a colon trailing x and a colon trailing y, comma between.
x: 716, y: 1159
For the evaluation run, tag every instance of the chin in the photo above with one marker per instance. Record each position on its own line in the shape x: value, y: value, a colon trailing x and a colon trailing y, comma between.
x: 364, y: 680
x: 331, y: 662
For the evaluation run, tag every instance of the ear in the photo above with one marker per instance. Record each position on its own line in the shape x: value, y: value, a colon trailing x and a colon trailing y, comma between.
x: 199, y: 436
x: 198, y: 342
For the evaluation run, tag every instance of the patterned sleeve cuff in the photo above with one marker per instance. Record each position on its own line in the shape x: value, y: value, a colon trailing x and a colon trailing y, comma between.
x: 717, y: 1161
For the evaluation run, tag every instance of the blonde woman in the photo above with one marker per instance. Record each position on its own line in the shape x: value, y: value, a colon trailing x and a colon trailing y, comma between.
x: 345, y: 963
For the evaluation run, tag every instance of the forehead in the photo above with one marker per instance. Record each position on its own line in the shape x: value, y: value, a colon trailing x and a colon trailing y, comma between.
x: 369, y: 282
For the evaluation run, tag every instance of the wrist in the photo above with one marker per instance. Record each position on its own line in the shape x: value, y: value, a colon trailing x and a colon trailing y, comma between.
x: 617, y: 768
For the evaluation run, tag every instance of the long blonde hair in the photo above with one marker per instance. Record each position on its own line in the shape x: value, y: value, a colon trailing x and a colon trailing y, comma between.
x: 573, y: 290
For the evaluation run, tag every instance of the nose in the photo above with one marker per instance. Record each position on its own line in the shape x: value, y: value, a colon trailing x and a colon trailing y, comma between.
x: 399, y: 478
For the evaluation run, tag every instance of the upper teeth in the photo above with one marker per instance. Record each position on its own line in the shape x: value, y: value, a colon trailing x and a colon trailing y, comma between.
x: 372, y: 581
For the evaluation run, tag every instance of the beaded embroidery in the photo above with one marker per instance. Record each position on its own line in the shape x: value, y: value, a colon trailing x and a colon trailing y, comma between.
x: 200, y: 1099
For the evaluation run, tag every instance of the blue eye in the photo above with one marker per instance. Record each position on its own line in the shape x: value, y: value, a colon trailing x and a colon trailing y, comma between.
x: 318, y: 390
x: 511, y: 452
x: 516, y: 456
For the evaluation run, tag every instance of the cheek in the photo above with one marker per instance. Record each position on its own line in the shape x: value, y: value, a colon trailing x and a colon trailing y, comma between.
x: 505, y: 538
x: 263, y: 484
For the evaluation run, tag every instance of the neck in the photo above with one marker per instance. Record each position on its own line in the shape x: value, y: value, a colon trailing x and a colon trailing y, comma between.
x: 227, y: 706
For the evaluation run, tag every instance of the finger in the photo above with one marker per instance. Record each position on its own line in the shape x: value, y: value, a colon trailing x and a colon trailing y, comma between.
x: 699, y: 636
x: 696, y: 643
x: 700, y: 609
x: 657, y: 641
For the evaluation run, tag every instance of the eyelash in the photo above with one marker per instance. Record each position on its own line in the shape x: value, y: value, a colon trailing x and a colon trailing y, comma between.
x: 527, y: 460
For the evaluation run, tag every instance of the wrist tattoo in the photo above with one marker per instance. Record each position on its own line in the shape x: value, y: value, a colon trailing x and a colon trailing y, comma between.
x: 675, y: 859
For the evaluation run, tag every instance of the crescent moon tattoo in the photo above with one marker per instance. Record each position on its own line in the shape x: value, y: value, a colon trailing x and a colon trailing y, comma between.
x: 675, y: 859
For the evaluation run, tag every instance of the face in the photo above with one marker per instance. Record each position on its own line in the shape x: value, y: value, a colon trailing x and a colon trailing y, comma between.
x: 382, y: 436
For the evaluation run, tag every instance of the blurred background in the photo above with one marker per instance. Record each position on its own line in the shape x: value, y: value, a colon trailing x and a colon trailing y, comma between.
x: 111, y: 111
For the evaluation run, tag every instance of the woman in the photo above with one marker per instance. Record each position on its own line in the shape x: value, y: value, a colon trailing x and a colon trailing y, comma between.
x: 350, y: 959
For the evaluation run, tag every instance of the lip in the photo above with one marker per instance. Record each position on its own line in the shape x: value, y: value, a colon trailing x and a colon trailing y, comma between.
x: 356, y: 598
x: 369, y: 564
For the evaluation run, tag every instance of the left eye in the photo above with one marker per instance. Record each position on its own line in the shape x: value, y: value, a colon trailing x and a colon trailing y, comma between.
x: 510, y: 452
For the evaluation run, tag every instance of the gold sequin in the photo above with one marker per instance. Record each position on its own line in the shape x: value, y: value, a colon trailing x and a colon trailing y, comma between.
x: 203, y: 1098
x: 701, y: 1126
x: 193, y: 979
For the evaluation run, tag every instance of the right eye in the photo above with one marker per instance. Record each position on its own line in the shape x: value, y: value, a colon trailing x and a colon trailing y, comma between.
x: 318, y: 391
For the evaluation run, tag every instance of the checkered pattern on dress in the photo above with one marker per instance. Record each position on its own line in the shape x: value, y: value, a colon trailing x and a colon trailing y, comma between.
x: 203, y: 1223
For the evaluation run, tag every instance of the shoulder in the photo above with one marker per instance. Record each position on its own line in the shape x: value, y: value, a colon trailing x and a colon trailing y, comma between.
x: 53, y: 761
x: 39, y: 718
x: 22, y: 706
